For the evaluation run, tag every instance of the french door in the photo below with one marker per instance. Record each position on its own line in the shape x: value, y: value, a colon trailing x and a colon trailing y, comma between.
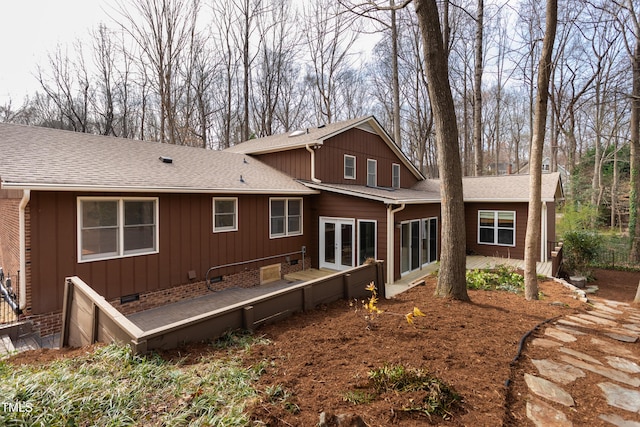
x: 337, y: 238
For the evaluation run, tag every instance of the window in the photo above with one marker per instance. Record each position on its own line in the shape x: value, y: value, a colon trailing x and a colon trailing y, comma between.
x: 372, y: 179
x: 497, y: 228
x: 113, y: 228
x: 349, y: 167
x: 225, y: 214
x: 285, y: 217
x: 366, y: 240
x: 395, y: 173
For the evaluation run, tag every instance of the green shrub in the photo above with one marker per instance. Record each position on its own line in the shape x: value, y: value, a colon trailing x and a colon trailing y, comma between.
x: 502, y: 278
x: 580, y: 248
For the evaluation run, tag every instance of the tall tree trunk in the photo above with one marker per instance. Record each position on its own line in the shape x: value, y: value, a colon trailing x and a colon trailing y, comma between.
x: 451, y: 281
x: 532, y: 239
x: 634, y: 199
x: 477, y: 89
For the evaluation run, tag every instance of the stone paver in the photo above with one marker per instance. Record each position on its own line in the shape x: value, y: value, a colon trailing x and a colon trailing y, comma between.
x: 559, y: 335
x: 610, y: 373
x: 548, y: 390
x: 543, y: 342
x: 615, y: 349
x: 623, y: 364
x: 597, y: 319
x: 558, y: 372
x: 545, y: 415
x: 621, y: 397
x: 618, y: 421
x: 580, y: 355
x: 612, y: 328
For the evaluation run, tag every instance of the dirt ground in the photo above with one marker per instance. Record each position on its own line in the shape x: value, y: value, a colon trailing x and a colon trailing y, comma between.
x: 317, y: 359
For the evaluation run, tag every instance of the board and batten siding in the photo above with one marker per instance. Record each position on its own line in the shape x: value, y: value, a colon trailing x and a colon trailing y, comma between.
x: 295, y: 163
x: 363, y: 145
x: 471, y: 223
x: 186, y: 243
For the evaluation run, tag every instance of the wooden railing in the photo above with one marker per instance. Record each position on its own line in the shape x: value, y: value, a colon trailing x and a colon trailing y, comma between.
x: 556, y: 259
x: 89, y: 318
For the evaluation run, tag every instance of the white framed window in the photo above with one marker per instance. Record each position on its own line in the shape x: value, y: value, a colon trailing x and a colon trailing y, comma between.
x: 395, y: 175
x: 285, y: 217
x: 349, y: 167
x: 225, y: 214
x: 110, y: 227
x: 497, y: 228
x: 372, y: 173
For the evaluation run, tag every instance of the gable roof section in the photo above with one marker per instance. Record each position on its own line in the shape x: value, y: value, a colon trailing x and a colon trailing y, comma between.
x: 317, y: 136
x: 50, y: 159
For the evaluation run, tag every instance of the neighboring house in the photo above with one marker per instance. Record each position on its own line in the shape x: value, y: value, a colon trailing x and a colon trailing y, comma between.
x: 144, y: 222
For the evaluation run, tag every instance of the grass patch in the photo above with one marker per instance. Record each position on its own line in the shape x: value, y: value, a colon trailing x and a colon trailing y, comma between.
x: 111, y: 386
x: 428, y: 395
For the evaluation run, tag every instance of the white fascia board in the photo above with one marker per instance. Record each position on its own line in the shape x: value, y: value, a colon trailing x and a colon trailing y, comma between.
x: 112, y: 189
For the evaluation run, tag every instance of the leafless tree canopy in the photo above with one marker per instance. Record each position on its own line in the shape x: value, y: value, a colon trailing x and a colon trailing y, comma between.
x: 212, y: 74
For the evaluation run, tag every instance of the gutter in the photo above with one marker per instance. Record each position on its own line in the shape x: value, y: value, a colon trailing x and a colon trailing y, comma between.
x: 26, y: 197
x: 120, y: 189
x: 313, y: 164
x: 390, y: 246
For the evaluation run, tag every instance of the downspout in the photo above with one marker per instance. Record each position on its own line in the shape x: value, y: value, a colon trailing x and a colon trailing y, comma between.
x: 390, y: 239
x: 543, y: 232
x: 313, y: 164
x: 26, y: 196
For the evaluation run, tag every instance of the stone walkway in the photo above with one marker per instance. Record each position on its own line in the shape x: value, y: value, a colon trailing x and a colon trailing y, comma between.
x: 610, y: 369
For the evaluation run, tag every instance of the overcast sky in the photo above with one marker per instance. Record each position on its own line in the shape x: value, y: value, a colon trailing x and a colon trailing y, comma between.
x: 29, y: 29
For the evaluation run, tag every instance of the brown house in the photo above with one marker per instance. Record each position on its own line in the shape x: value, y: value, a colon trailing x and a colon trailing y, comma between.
x: 147, y: 223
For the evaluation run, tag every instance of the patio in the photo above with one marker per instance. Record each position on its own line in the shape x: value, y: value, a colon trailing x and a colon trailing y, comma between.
x: 157, y: 317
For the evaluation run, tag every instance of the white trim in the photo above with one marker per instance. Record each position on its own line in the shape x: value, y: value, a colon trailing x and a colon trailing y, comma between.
x: 235, y: 226
x: 390, y: 241
x: 337, y: 265
x: 344, y: 169
x: 374, y: 162
x: 393, y: 167
x: 120, y: 250
x: 177, y: 190
x: 375, y: 238
x: 495, y: 227
x: 286, y: 217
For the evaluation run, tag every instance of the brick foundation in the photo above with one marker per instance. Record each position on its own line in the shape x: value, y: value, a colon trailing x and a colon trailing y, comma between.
x: 51, y: 323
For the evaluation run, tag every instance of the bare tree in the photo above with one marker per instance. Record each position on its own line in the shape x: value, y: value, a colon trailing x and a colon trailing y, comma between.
x: 477, y: 91
x: 451, y: 280
x: 329, y: 36
x: 162, y: 30
x: 532, y: 239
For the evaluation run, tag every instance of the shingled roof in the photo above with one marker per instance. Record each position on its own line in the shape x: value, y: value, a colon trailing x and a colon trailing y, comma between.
x: 50, y: 159
x: 503, y: 188
x: 316, y: 136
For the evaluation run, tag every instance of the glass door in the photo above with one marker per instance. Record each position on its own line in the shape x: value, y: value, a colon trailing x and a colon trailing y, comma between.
x: 337, y: 243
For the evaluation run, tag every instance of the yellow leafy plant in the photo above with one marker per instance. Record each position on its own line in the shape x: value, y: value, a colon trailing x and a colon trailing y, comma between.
x: 371, y: 307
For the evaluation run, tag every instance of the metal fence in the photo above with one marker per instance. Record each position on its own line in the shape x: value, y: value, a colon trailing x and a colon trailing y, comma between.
x: 9, y: 309
x: 613, y: 256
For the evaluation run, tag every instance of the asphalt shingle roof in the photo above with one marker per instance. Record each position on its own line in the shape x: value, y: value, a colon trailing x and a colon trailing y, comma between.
x: 36, y: 157
x: 503, y: 188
